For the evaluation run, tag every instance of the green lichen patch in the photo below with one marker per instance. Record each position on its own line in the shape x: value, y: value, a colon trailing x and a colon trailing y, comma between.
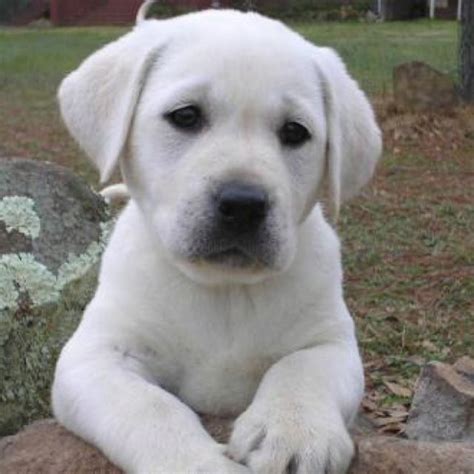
x: 77, y: 265
x: 18, y: 213
x: 22, y: 273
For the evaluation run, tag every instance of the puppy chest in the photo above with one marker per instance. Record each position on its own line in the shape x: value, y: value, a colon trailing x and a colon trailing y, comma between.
x: 222, y: 383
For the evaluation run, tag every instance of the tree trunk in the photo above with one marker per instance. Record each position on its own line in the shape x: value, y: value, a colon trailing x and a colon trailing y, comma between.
x: 466, y: 50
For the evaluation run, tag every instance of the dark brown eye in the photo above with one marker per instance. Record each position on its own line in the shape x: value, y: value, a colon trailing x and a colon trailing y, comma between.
x: 293, y: 134
x: 187, y: 118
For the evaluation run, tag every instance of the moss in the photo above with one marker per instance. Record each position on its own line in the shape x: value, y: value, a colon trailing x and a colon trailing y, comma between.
x: 19, y: 214
x: 11, y: 417
x: 30, y: 343
x: 39, y: 311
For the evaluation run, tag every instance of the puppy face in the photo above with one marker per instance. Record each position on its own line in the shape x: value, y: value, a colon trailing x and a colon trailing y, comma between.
x: 232, y: 123
x: 226, y: 147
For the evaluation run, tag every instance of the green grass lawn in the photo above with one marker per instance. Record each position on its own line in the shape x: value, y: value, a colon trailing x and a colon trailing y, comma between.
x: 42, y: 57
x: 408, y: 240
x: 372, y: 50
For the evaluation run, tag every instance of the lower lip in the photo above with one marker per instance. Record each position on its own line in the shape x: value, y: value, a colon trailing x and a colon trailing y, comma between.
x: 231, y: 257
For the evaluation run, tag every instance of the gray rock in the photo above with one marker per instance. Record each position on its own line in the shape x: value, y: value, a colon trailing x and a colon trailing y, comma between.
x: 418, y: 87
x: 71, y: 213
x: 52, y: 232
x: 443, y: 404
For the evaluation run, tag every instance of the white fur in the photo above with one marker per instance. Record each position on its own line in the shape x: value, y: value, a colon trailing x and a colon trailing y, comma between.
x: 166, y: 337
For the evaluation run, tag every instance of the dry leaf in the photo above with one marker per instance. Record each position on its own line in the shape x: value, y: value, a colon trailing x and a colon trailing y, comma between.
x: 394, y: 428
x: 389, y: 420
x: 369, y: 405
x: 398, y: 390
x: 399, y: 415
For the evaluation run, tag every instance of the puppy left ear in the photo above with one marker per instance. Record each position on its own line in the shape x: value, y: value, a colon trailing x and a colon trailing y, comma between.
x: 98, y: 99
x: 354, y: 142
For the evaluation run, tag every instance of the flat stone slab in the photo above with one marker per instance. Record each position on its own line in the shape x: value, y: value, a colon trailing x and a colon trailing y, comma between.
x: 387, y: 455
x: 46, y: 448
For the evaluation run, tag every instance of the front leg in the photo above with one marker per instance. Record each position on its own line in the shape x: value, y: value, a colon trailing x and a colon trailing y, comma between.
x: 297, y: 422
x: 111, y: 401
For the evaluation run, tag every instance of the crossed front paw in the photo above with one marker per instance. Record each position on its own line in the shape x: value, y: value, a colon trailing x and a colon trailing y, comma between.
x: 189, y: 458
x: 275, y: 441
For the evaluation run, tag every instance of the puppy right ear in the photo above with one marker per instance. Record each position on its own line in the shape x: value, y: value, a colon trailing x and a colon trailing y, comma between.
x: 354, y: 142
x: 98, y: 99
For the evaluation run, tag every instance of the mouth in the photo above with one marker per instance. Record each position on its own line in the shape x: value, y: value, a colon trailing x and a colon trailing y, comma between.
x: 232, y: 257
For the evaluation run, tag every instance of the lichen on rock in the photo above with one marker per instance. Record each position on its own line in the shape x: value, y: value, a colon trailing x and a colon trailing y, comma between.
x: 22, y: 273
x: 77, y: 265
x: 53, y: 229
x: 18, y: 213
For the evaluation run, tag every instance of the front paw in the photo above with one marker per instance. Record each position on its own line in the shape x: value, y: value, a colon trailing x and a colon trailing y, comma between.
x: 218, y: 464
x: 190, y: 459
x: 221, y: 466
x: 291, y: 441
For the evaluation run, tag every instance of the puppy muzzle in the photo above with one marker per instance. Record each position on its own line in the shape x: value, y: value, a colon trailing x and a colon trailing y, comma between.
x: 238, y: 231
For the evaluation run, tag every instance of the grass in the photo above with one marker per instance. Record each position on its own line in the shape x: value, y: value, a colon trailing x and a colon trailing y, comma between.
x: 409, y: 258
x: 408, y: 240
x: 372, y: 50
x: 409, y: 251
x: 33, y: 62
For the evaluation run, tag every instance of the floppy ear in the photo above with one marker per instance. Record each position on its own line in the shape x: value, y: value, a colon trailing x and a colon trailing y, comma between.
x: 98, y: 99
x: 354, y: 141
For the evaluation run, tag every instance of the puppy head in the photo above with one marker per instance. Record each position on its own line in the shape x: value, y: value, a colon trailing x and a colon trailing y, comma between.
x: 227, y: 128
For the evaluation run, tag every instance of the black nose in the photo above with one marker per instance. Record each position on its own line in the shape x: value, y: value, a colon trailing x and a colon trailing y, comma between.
x: 241, y: 206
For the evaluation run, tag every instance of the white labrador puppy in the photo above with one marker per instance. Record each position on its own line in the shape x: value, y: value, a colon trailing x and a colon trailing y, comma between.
x: 220, y: 291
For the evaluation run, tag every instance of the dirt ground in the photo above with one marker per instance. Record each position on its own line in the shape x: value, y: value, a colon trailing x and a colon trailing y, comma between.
x: 409, y: 255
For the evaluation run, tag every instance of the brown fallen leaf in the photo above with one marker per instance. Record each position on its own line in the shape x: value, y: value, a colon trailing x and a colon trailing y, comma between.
x: 399, y: 415
x: 369, y: 405
x: 389, y: 420
x: 393, y: 428
x: 398, y: 390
